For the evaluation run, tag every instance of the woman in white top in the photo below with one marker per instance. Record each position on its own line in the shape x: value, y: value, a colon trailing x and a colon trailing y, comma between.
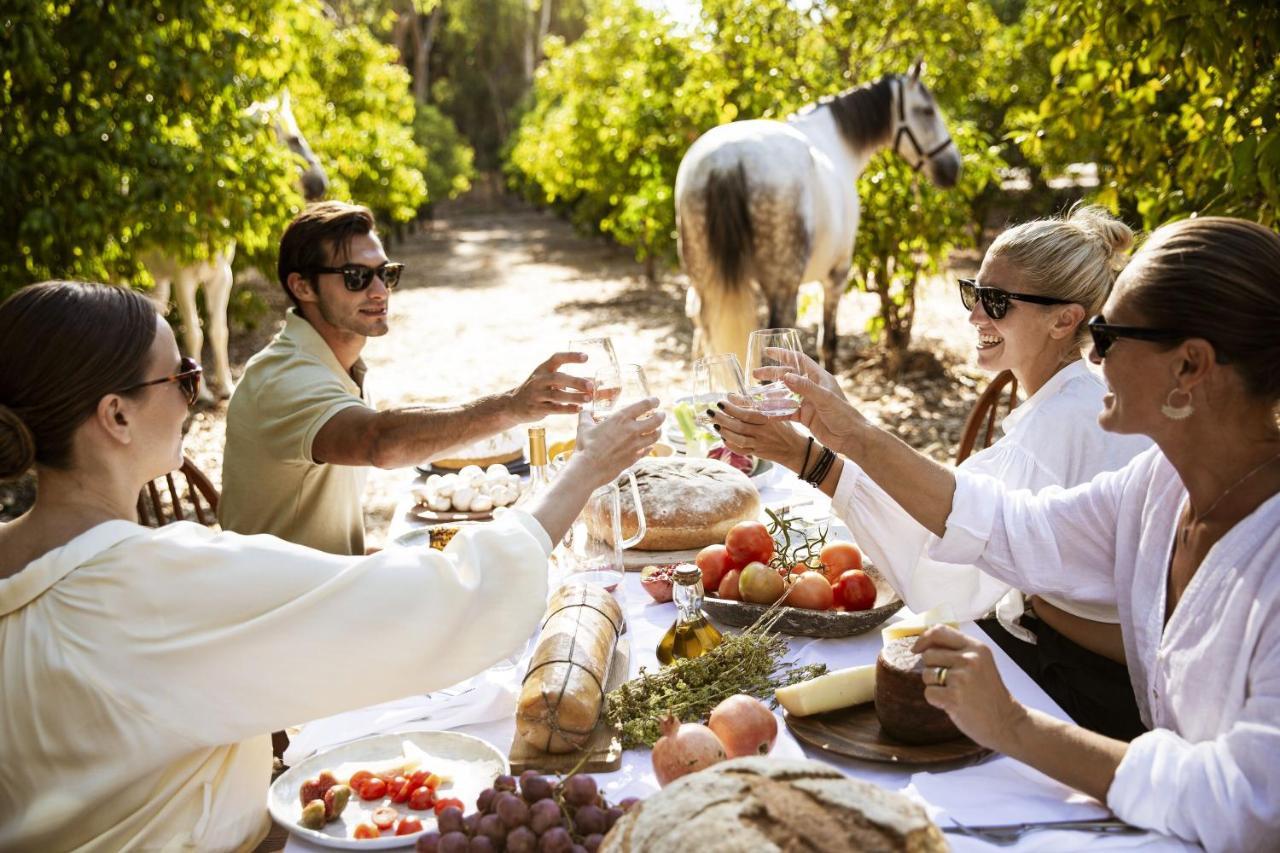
x: 1038, y: 283
x: 1185, y: 540
x: 141, y: 670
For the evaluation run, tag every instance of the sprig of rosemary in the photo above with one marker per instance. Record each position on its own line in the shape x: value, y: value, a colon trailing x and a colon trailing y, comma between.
x: 750, y: 662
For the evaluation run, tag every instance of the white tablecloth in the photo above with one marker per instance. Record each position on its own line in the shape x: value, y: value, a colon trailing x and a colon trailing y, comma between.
x: 998, y: 791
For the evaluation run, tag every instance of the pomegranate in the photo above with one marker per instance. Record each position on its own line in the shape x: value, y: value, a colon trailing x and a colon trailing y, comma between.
x: 744, y: 725
x: 683, y: 749
x: 657, y: 581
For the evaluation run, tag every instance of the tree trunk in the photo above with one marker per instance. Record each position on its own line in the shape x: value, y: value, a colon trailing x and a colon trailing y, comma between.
x: 544, y: 27
x: 422, y: 54
x: 530, y: 43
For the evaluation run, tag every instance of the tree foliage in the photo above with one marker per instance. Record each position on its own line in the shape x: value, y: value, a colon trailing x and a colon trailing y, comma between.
x: 1177, y: 101
x: 124, y: 126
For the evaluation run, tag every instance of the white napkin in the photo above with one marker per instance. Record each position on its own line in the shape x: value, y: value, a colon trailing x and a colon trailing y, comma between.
x: 486, y: 697
x: 1005, y: 791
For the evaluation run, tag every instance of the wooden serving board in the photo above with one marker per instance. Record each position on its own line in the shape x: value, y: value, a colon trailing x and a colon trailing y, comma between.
x: 604, y: 748
x: 855, y: 732
x: 634, y: 560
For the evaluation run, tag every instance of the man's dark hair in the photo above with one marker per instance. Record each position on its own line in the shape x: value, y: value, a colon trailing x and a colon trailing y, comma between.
x: 320, y: 236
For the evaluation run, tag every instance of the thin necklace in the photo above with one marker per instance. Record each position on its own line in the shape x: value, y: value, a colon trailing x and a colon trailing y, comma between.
x: 1194, y: 519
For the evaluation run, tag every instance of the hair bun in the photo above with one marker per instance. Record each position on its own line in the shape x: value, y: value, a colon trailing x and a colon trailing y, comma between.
x: 17, y: 445
x: 1098, y: 223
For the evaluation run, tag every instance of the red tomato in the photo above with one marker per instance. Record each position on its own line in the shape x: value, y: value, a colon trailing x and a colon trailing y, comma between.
x: 855, y: 590
x: 441, y: 805
x: 838, y: 558
x: 401, y: 794
x: 384, y: 817
x: 811, y: 591
x: 421, y: 798
x: 749, y: 542
x: 373, y: 789
x: 365, y: 831
x: 714, y: 561
x: 419, y: 778
x: 408, y: 826
x: 358, y: 779
x: 729, y: 586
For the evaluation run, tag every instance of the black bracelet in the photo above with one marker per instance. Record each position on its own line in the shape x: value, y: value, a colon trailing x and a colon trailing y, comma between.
x: 805, y: 463
x: 821, y: 467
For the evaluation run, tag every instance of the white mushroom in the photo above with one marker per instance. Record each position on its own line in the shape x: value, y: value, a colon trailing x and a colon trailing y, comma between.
x: 440, y: 504
x: 481, y: 503
x: 495, y: 469
x: 462, y: 498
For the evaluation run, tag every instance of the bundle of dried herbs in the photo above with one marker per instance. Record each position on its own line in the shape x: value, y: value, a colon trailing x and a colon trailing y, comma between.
x: 750, y: 662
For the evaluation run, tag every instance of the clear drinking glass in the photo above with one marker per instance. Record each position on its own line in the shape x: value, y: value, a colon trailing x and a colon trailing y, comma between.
x: 600, y: 357
x: 618, y: 388
x: 716, y: 378
x: 771, y: 354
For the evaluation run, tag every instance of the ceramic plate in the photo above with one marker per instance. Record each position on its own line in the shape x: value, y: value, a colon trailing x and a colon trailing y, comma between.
x: 471, y: 763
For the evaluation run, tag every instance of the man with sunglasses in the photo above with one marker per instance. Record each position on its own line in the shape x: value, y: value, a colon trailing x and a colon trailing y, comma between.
x: 301, y: 429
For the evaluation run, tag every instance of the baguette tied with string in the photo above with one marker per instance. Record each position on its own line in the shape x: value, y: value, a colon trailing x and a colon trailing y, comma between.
x: 562, y: 697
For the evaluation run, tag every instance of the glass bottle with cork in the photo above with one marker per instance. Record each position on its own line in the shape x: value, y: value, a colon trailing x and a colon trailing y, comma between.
x: 539, y: 470
x: 692, y: 635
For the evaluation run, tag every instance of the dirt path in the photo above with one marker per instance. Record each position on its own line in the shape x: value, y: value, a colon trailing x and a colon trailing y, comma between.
x: 491, y: 289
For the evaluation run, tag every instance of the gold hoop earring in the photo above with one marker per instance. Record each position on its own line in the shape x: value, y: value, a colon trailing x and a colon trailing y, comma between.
x: 1177, y: 412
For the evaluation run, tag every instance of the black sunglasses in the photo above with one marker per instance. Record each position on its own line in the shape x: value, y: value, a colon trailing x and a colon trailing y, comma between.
x: 356, y: 277
x: 996, y: 301
x: 1105, y: 334
x: 187, y: 377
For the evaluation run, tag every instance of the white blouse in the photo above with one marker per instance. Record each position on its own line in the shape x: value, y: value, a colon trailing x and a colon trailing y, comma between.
x: 1052, y: 439
x: 1207, y: 682
x: 142, y: 671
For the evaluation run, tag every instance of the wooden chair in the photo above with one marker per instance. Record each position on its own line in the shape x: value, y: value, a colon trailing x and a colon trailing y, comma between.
x: 980, y: 426
x: 156, y: 508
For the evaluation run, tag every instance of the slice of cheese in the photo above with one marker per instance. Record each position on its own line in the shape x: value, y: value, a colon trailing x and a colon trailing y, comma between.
x: 840, y: 689
x: 940, y: 615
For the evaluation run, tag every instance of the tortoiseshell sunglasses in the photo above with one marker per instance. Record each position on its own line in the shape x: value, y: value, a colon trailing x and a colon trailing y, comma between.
x: 187, y: 377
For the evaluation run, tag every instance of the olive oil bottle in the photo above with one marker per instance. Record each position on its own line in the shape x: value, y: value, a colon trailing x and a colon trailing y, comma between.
x: 692, y: 635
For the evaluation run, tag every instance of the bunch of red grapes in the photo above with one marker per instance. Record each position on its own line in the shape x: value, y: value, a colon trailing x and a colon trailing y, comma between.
x: 541, y: 817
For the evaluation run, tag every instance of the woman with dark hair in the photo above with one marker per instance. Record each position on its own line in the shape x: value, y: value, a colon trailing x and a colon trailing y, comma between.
x: 1185, y: 540
x: 141, y: 669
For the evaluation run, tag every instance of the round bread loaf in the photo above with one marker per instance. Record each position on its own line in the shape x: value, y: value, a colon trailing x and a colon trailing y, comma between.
x: 766, y: 804
x: 900, y: 703
x: 688, y: 503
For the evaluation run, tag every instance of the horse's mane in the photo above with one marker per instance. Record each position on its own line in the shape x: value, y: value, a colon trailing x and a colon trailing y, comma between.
x: 864, y: 114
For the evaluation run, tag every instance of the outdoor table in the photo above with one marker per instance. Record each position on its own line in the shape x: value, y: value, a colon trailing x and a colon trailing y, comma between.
x: 996, y: 791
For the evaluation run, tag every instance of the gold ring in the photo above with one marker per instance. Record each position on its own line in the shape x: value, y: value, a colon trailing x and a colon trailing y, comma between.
x: 940, y: 676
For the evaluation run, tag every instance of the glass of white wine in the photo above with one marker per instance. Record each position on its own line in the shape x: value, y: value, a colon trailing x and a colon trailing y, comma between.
x: 618, y: 388
x: 716, y: 378
x: 772, y: 353
x: 600, y: 357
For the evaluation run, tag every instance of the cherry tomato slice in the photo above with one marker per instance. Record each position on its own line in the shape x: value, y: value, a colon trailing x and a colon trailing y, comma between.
x: 358, y: 779
x: 374, y: 789
x: 432, y: 781
x: 364, y: 831
x: 395, y: 788
x: 421, y: 798
x: 408, y: 826
x: 384, y: 817
x: 441, y: 805
x: 418, y: 778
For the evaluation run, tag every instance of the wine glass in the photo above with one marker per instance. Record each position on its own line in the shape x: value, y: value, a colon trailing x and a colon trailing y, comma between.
x: 600, y: 357
x: 716, y: 378
x: 771, y: 354
x: 617, y: 388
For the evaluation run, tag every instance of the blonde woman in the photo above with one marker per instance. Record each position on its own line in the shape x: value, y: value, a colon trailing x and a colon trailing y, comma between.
x: 1037, y: 285
x: 1185, y: 540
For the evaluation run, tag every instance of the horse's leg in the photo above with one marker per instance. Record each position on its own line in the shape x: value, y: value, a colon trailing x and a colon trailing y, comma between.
x: 782, y: 302
x: 185, y: 282
x: 833, y: 289
x: 217, y: 295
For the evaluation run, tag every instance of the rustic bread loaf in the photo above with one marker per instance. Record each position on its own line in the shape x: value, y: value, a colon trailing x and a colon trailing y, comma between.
x: 773, y: 804
x: 563, y: 691
x: 688, y: 503
x: 900, y: 704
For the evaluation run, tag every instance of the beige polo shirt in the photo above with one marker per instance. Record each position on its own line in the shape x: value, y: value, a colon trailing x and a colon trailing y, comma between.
x: 270, y: 481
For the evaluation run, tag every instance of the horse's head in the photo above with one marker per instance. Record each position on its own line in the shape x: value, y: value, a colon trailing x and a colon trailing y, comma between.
x: 920, y: 132
x: 315, y: 183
